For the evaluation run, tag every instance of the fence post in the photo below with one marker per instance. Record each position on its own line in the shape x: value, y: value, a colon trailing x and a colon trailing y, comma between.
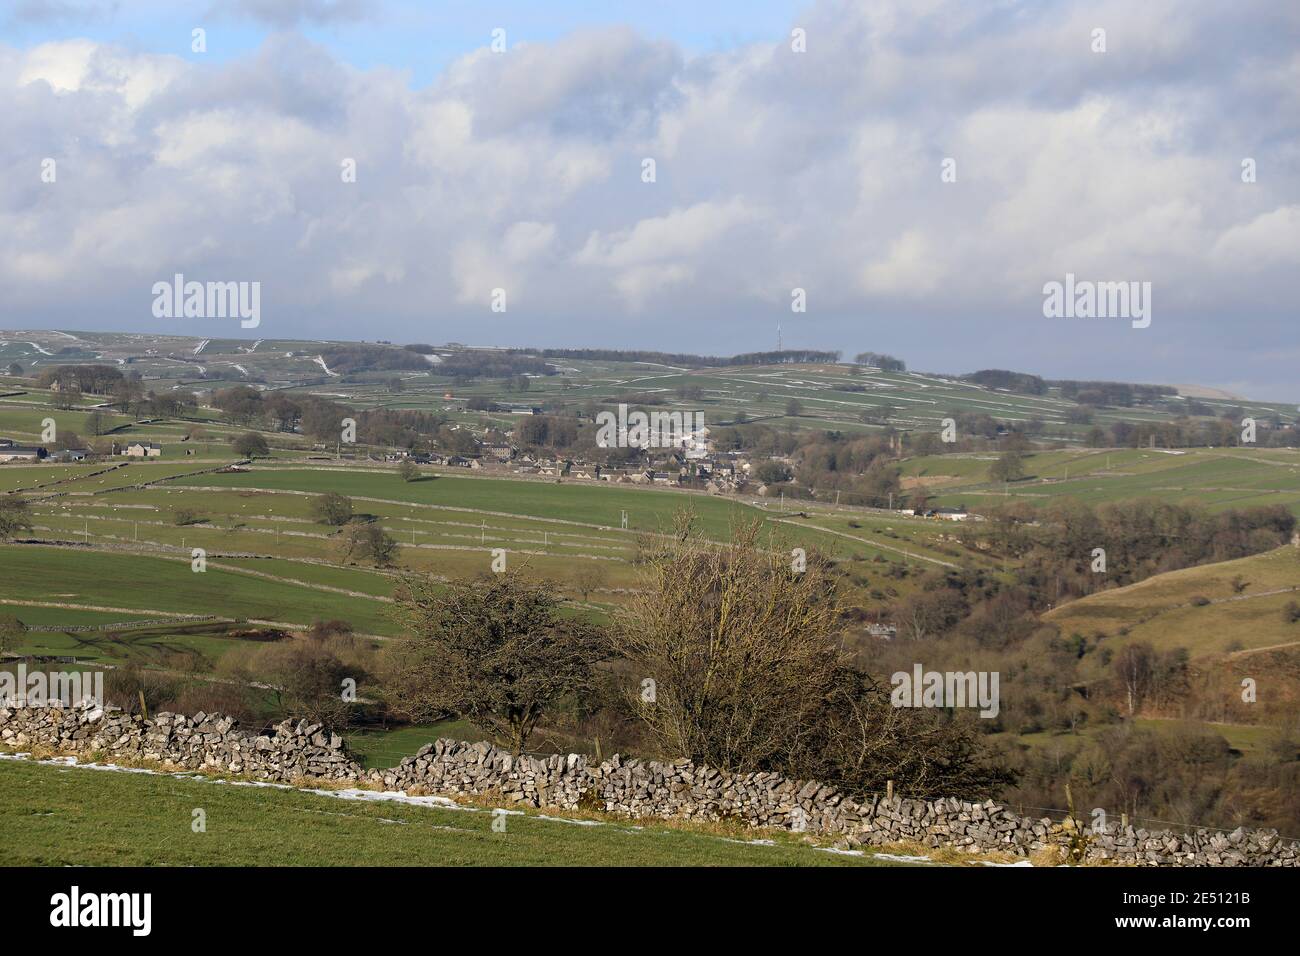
x: 889, y: 790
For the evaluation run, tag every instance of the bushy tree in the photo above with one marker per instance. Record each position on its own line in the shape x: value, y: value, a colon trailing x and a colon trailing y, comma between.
x: 11, y: 632
x: 369, y: 542
x: 15, y: 516
x: 495, y: 651
x: 1009, y: 467
x: 332, y: 508
x: 772, y: 472
x: 250, y: 445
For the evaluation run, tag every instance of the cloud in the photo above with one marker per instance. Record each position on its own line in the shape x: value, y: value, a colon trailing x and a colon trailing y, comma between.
x: 910, y: 269
x: 1272, y: 238
x: 774, y: 169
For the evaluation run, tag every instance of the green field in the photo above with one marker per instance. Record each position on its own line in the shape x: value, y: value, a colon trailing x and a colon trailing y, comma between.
x: 387, y: 748
x: 84, y: 817
x: 146, y: 583
x: 192, y: 648
x: 586, y: 503
x: 1214, y: 478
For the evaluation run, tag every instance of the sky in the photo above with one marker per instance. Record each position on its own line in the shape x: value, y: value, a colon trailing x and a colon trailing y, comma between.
x: 674, y: 176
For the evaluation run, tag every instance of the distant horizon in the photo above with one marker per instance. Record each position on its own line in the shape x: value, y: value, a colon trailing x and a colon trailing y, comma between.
x: 846, y: 357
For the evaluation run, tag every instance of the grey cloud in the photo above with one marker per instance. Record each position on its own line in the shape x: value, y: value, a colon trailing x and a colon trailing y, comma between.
x: 599, y: 83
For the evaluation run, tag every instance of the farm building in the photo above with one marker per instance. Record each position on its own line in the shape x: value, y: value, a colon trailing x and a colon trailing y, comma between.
x: 141, y: 449
x: 11, y: 452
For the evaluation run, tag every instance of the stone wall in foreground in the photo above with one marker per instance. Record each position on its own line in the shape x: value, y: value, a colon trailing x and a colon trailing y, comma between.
x: 637, y: 789
x: 203, y: 742
x: 680, y: 790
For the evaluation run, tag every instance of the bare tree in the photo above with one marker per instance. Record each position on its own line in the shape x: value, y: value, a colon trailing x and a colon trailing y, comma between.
x: 736, y: 661
x: 738, y: 646
x: 331, y: 508
x: 1135, y: 667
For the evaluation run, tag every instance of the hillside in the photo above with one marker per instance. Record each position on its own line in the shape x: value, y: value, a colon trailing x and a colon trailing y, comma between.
x: 1168, y: 610
x: 853, y: 398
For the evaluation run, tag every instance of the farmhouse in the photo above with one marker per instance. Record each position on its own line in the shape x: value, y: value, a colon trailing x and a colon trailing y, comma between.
x: 142, y: 449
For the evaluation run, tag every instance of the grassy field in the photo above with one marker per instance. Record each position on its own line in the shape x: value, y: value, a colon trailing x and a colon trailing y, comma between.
x: 568, y: 533
x: 582, y: 502
x: 1166, y: 610
x: 1214, y: 478
x: 387, y: 748
x: 191, y: 648
x: 137, y: 582
x: 84, y: 817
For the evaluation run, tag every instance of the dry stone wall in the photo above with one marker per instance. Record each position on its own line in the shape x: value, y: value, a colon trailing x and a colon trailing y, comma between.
x: 632, y: 788
x: 203, y: 742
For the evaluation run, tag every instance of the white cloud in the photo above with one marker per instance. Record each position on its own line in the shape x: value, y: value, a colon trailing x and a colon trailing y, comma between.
x: 1272, y: 238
